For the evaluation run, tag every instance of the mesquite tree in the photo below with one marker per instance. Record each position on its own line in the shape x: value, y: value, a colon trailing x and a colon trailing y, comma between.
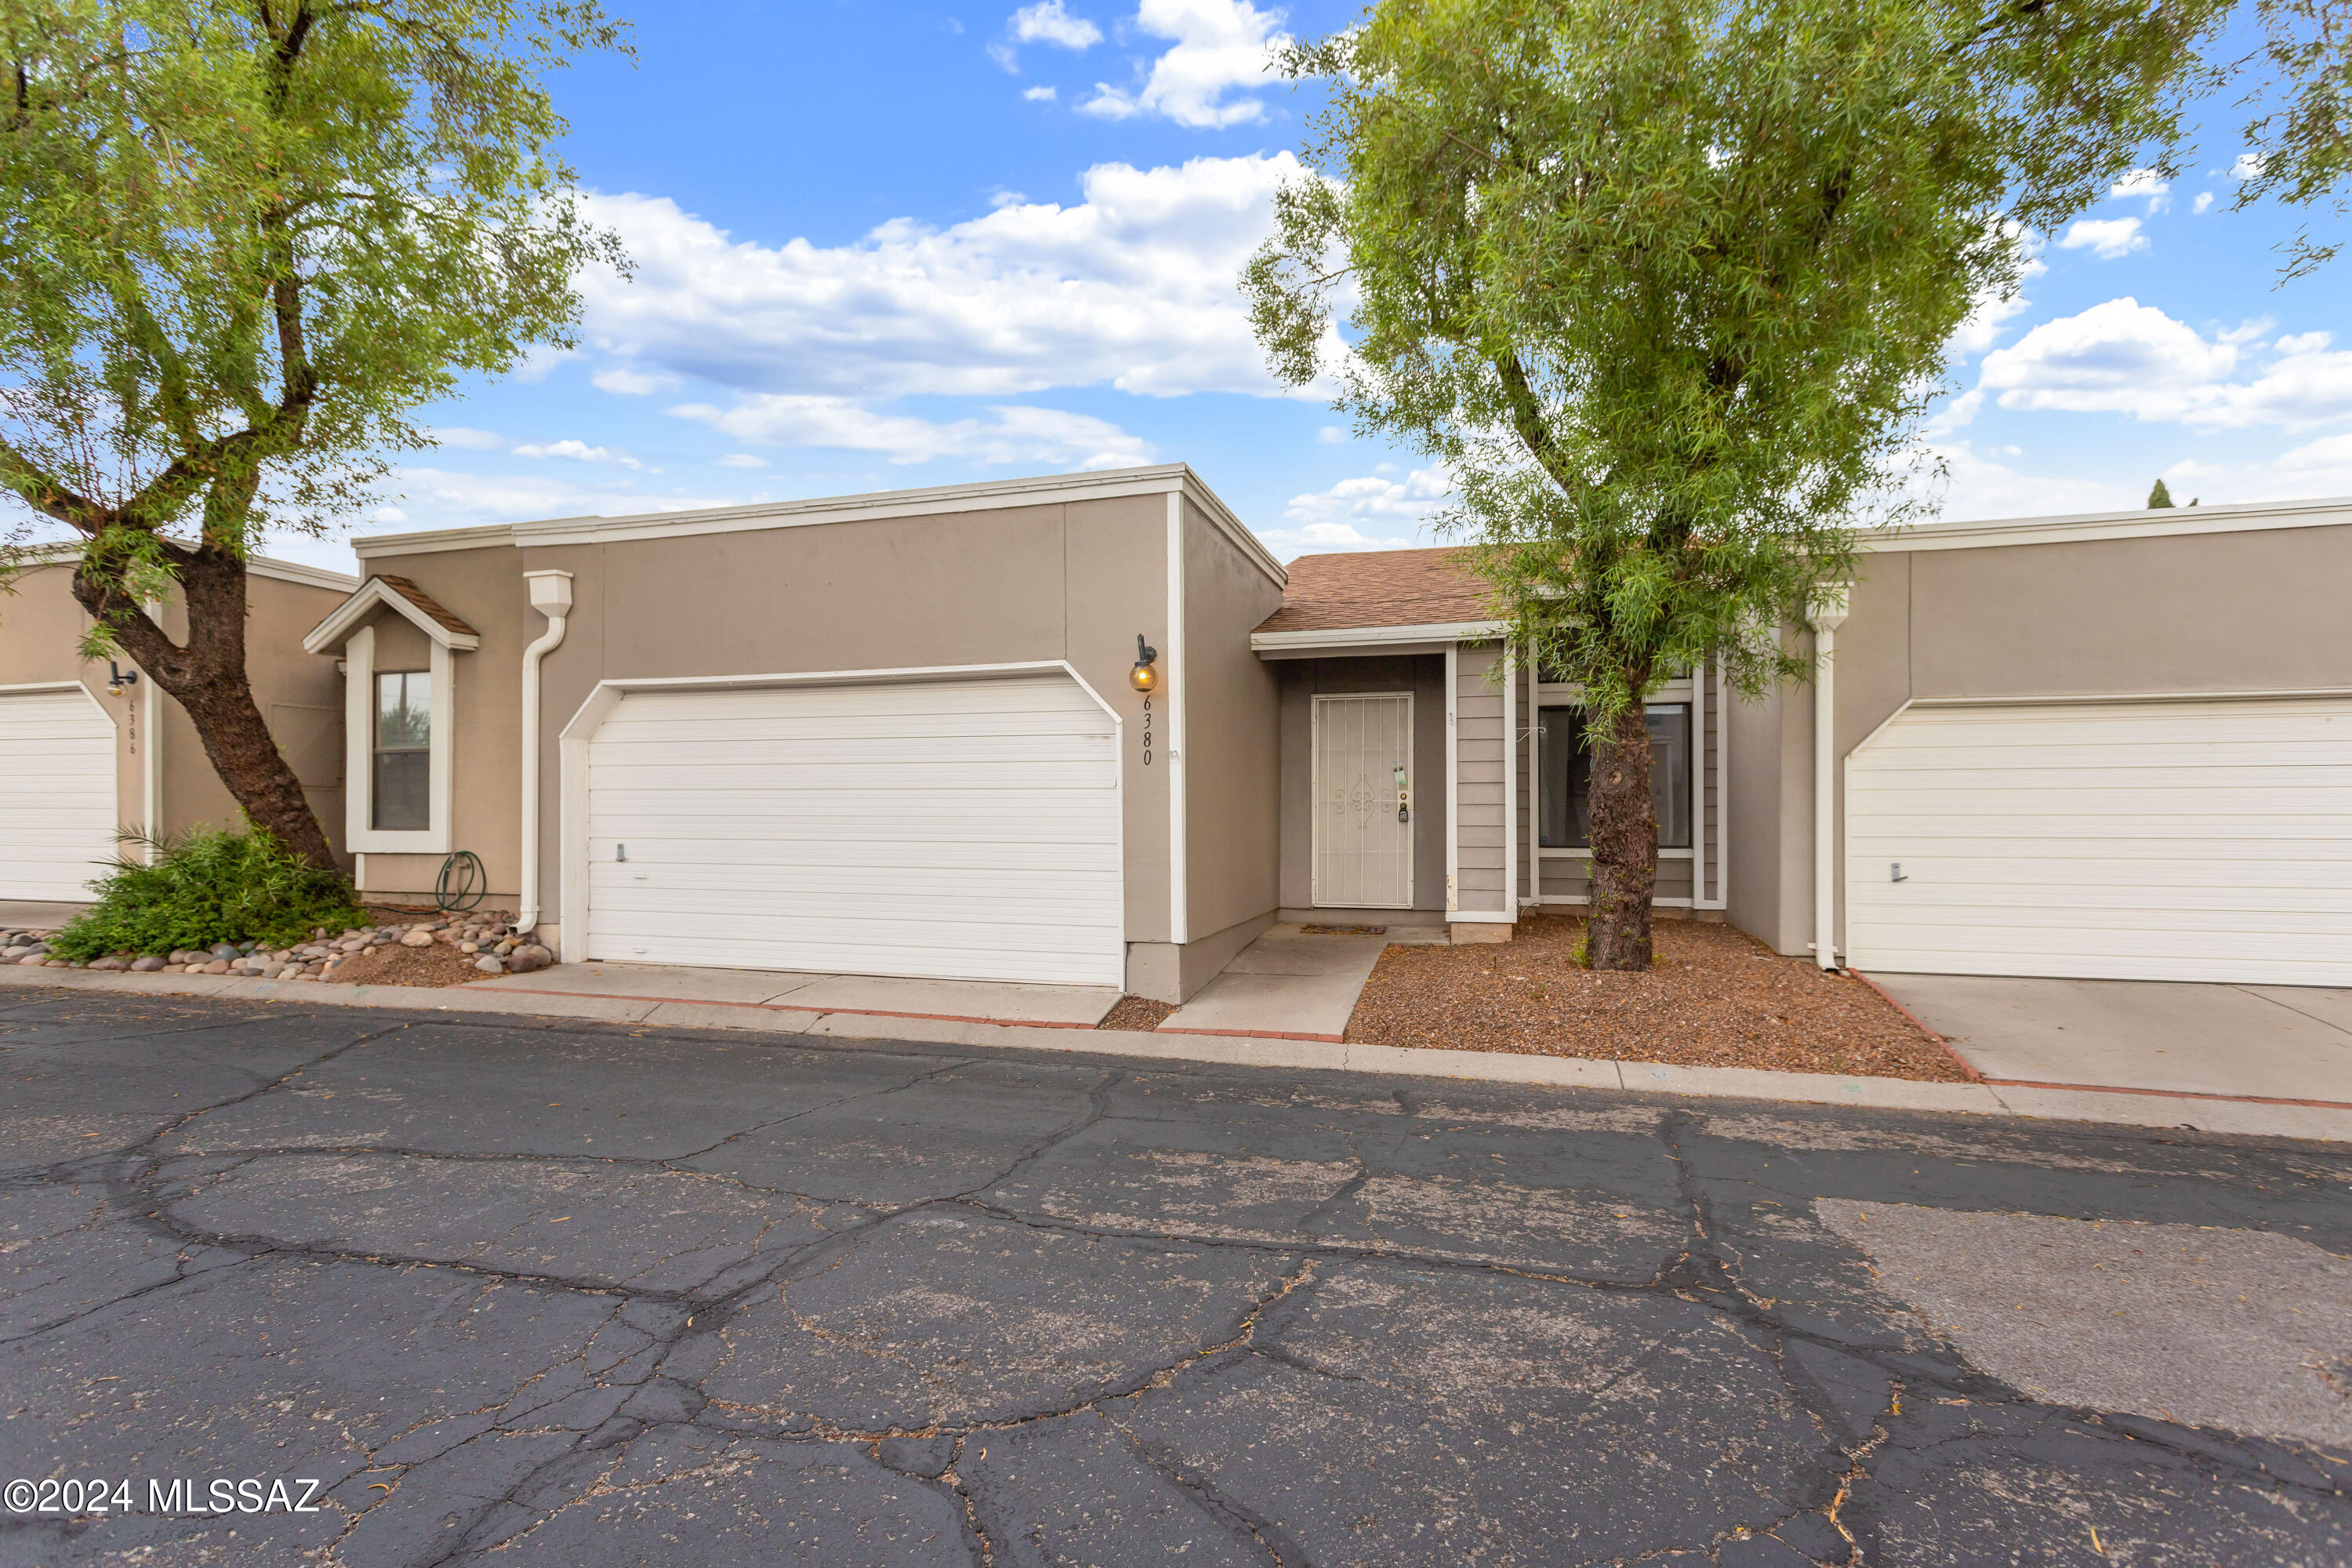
x: 240, y: 244
x: 1664, y: 285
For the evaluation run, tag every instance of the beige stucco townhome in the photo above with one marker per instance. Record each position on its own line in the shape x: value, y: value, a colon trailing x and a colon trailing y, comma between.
x: 90, y: 747
x: 1085, y: 730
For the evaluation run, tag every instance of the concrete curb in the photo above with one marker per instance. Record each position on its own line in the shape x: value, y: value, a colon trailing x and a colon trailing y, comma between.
x: 2124, y: 1108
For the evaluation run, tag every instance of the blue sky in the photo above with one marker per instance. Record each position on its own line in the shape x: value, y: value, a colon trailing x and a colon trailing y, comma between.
x: 881, y: 246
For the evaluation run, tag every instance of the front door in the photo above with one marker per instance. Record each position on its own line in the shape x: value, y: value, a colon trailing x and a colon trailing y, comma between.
x: 1364, y: 802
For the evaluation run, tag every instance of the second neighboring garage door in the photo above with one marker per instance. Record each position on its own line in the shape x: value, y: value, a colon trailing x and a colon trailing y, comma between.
x: 948, y: 830
x: 2146, y: 840
x: 57, y: 793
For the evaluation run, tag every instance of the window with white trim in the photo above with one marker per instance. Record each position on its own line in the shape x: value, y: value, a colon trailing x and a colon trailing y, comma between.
x: 402, y: 775
x: 398, y: 723
x: 1564, y: 818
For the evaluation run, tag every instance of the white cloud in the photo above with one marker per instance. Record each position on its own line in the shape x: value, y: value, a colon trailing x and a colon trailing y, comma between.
x: 1012, y: 434
x: 2144, y: 182
x: 623, y: 381
x: 1957, y: 414
x: 2109, y: 237
x: 1373, y: 512
x: 1132, y: 287
x: 1221, y: 46
x: 1973, y: 486
x: 1331, y: 435
x: 466, y: 436
x: 1040, y: 94
x: 1047, y: 23
x: 573, y: 451
x: 2204, y: 202
x: 2124, y: 357
x: 743, y: 460
x: 2304, y: 342
x: 2323, y: 466
x: 2247, y: 166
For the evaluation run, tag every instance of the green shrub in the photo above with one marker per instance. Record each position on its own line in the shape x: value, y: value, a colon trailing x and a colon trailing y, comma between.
x: 202, y: 886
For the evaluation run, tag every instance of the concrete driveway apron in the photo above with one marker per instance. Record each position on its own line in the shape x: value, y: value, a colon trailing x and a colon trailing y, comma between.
x: 2287, y: 1043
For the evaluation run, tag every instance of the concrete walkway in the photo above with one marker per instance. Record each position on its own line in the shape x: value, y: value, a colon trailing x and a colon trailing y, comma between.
x: 25, y: 914
x: 2291, y: 1043
x: 1291, y: 984
x: 1048, y: 1006
x: 2209, y: 1115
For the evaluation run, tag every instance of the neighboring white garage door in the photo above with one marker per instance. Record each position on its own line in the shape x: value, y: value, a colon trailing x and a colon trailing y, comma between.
x: 57, y: 793
x: 952, y: 829
x: 2190, y: 840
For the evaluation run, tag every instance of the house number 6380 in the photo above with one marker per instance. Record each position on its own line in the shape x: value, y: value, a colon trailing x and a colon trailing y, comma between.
x: 1147, y: 731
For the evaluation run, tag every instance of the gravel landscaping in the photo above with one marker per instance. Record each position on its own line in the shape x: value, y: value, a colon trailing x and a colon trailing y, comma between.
x: 1718, y: 997
x: 410, y: 947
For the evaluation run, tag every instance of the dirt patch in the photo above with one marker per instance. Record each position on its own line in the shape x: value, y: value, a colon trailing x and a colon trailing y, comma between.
x: 1136, y: 1013
x: 397, y: 965
x: 1717, y: 998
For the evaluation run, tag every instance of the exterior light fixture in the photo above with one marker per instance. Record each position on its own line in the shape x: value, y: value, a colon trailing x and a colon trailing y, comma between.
x: 1143, y: 677
x: 119, y: 680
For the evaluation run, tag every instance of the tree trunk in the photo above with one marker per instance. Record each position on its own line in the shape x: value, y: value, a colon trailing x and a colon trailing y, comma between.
x: 207, y: 678
x: 1624, y: 831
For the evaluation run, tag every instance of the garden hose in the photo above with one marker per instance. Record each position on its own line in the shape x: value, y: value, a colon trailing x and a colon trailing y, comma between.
x: 462, y: 882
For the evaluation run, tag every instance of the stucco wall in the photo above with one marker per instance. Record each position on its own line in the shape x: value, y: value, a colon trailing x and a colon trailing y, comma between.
x: 300, y: 698
x: 1299, y: 680
x: 1033, y: 584
x: 2261, y: 610
x: 1232, y: 734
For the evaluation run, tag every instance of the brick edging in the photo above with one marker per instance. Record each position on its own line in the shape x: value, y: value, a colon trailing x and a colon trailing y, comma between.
x: 1921, y: 1024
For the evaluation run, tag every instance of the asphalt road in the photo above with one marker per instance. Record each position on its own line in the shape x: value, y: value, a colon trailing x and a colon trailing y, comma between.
x: 592, y: 1295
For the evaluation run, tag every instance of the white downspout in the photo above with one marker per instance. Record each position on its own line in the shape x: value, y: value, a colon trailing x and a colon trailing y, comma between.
x: 550, y: 596
x: 1829, y: 614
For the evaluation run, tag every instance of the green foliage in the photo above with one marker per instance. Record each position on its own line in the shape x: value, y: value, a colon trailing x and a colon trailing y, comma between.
x: 2300, y: 85
x: 204, y: 886
x: 1664, y: 284
x: 241, y: 244
x: 2159, y: 496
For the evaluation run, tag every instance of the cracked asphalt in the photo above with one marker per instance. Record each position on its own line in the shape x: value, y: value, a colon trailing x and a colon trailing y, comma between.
x: 530, y: 1292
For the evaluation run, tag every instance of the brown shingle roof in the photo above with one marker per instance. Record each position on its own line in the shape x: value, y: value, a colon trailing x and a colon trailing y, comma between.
x: 427, y: 603
x: 1378, y: 588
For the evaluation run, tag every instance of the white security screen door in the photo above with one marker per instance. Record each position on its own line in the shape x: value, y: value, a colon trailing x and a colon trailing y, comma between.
x: 57, y: 793
x: 947, y: 829
x: 2127, y: 840
x: 1363, y: 770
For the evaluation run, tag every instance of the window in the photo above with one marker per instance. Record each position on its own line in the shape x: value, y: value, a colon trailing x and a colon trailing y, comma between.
x: 1565, y: 755
x: 402, y: 764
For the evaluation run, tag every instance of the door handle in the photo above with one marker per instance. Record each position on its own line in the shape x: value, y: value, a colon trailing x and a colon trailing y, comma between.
x: 1404, y: 797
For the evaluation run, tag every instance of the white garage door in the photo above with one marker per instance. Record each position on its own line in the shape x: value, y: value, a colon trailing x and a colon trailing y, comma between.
x: 952, y: 829
x: 57, y: 793
x: 2193, y: 840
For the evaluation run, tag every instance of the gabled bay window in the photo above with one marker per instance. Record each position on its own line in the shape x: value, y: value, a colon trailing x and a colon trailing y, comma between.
x: 400, y: 699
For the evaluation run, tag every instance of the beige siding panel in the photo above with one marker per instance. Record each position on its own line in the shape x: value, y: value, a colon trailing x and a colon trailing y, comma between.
x: 1478, y: 746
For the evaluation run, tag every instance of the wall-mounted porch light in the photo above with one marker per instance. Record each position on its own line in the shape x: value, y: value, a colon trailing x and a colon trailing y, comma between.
x: 119, y: 680
x: 1143, y: 678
